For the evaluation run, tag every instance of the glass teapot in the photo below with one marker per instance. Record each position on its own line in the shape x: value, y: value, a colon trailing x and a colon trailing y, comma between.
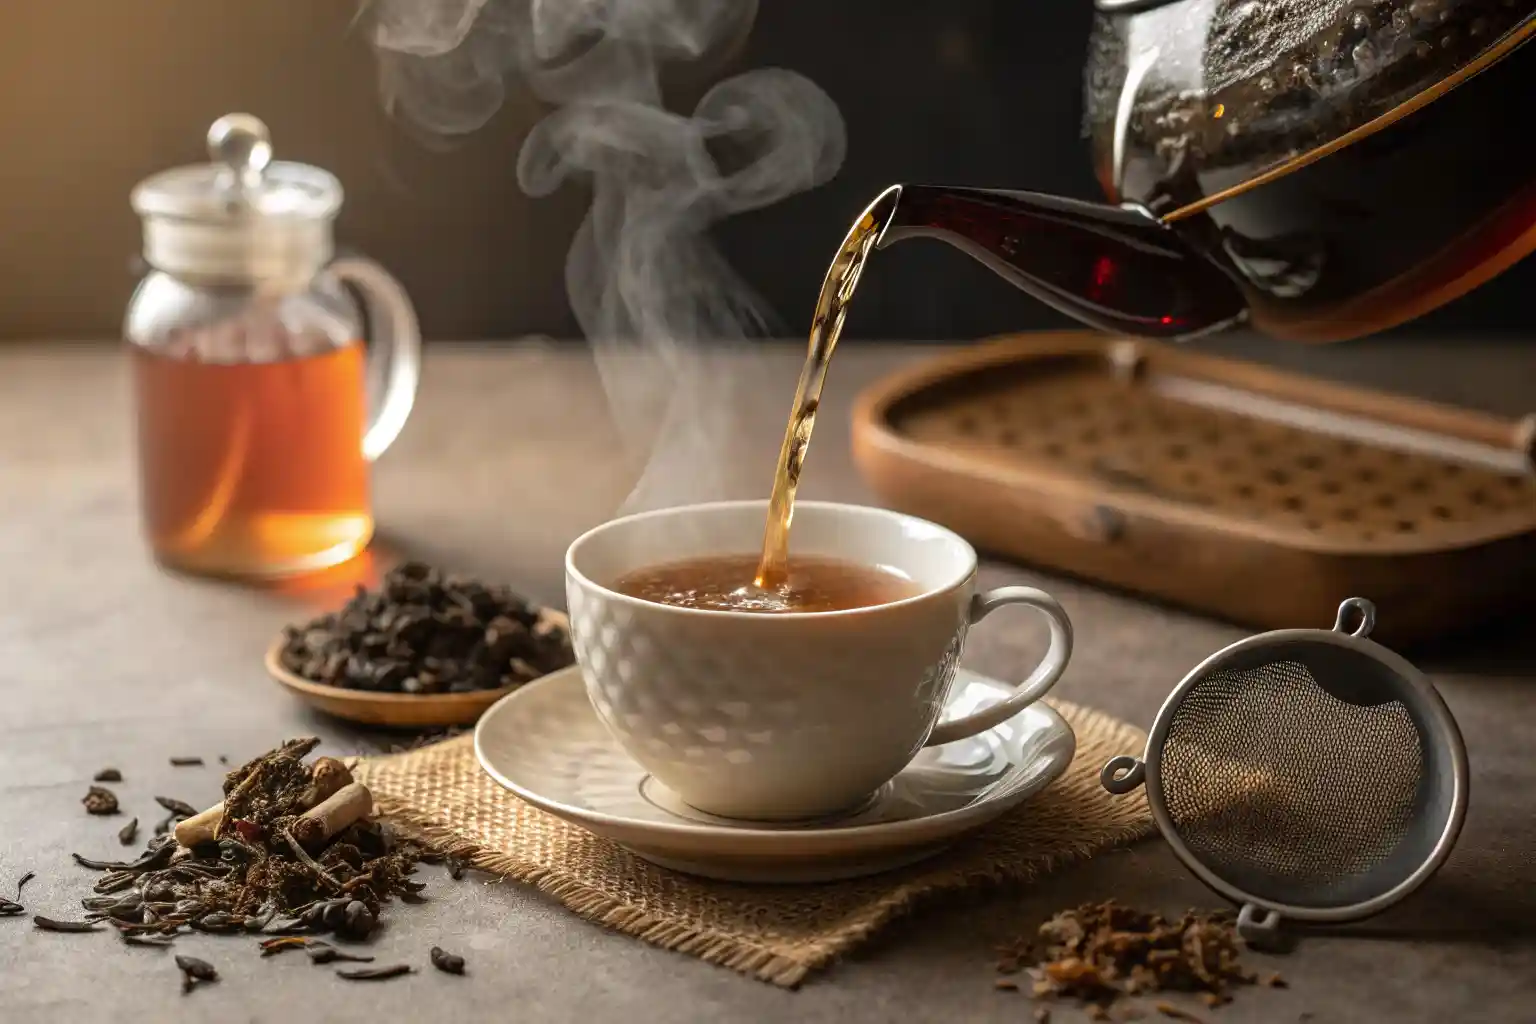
x: 1320, y: 168
x: 252, y: 381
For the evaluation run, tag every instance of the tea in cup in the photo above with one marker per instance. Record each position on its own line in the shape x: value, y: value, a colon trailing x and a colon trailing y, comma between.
x: 796, y: 703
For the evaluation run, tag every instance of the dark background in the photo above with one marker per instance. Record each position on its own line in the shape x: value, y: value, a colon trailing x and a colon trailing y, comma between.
x: 983, y: 93
x: 96, y: 96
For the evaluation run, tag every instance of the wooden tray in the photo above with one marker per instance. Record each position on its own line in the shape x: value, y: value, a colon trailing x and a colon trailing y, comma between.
x: 1250, y: 494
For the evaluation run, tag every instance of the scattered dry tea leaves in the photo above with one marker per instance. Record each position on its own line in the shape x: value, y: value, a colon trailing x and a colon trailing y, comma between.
x: 180, y: 808
x: 1169, y: 1010
x: 375, y: 973
x: 157, y: 855
x: 244, y: 878
x: 49, y: 924
x: 1100, y: 952
x: 21, y: 883
x: 455, y: 866
x: 129, y: 832
x: 194, y: 972
x: 139, y: 939
x: 177, y: 810
x: 10, y: 908
x: 186, y: 762
x: 283, y: 943
x: 447, y: 962
x: 108, y: 775
x: 325, y: 953
x: 99, y: 800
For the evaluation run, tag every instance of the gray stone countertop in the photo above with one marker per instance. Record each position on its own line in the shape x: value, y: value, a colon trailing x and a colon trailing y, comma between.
x: 104, y: 659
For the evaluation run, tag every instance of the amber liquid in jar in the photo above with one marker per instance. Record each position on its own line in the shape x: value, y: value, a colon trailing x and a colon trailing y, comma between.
x: 253, y: 469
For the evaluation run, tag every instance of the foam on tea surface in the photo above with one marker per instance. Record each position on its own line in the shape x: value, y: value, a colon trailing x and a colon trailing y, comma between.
x: 725, y: 583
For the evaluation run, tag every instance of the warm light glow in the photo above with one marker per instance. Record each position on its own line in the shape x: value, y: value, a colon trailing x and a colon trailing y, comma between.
x: 1221, y: 108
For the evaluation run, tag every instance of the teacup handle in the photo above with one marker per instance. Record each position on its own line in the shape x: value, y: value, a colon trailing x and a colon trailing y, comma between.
x: 1040, y: 680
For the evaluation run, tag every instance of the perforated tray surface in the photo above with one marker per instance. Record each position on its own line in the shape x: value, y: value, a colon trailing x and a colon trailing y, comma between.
x: 1251, y: 494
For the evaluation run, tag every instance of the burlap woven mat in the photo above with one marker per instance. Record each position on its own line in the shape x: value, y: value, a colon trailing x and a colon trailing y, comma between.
x: 439, y: 795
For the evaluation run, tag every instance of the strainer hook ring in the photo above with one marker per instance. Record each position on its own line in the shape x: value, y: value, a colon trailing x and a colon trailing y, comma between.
x: 1356, y: 607
x: 1259, y: 926
x: 1120, y: 775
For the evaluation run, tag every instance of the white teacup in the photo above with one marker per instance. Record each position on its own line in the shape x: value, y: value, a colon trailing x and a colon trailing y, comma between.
x: 791, y: 715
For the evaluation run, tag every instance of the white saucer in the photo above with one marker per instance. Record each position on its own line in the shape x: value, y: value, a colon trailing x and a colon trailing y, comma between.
x: 545, y: 744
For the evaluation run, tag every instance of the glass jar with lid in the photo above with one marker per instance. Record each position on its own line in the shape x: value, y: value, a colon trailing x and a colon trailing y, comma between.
x: 261, y: 396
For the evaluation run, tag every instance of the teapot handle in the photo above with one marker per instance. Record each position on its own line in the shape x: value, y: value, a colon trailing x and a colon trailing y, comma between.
x: 394, y: 357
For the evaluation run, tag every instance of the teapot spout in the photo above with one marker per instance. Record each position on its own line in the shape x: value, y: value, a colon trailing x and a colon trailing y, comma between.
x: 1117, y: 268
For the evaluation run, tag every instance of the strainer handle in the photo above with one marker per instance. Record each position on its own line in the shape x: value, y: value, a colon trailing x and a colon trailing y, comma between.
x: 1123, y: 774
x: 1040, y: 680
x: 1259, y: 927
x: 1359, y: 611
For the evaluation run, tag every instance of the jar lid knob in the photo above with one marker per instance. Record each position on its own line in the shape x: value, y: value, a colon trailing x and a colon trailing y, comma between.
x: 240, y: 143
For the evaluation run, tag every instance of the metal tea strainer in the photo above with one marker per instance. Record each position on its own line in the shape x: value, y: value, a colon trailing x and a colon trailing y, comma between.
x: 1309, y: 774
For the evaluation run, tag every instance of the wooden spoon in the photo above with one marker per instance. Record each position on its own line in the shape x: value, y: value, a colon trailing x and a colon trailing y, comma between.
x: 394, y: 710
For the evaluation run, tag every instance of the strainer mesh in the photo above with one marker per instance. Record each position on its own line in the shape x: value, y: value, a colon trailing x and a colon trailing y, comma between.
x: 1281, y: 788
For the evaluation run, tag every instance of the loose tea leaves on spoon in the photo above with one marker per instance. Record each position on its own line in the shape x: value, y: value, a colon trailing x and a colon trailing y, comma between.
x: 424, y: 632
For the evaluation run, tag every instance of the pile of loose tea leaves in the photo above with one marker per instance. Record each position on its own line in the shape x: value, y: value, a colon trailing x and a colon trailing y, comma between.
x: 1101, y: 952
x: 423, y: 632
x: 249, y: 872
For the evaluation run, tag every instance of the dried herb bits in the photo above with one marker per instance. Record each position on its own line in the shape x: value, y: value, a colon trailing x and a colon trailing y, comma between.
x: 49, y: 924
x: 1101, y: 953
x: 423, y: 632
x: 99, y: 800
x: 448, y: 963
x: 375, y: 973
x: 324, y: 953
x: 195, y: 972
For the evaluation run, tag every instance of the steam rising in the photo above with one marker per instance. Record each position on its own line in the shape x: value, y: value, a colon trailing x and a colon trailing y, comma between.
x: 644, y: 282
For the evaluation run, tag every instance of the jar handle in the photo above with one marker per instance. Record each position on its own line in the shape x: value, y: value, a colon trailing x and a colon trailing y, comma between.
x: 394, y: 358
